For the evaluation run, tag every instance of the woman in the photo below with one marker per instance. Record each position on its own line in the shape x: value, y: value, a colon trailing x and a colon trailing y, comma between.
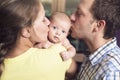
x: 22, y: 25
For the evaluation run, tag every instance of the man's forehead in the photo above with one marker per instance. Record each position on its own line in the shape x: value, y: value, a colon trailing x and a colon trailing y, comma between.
x: 85, y: 4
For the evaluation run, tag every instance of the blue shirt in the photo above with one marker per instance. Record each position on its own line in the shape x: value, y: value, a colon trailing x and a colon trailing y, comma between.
x: 103, y: 64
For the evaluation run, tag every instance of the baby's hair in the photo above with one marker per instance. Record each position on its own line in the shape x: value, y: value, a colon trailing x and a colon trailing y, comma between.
x: 61, y: 16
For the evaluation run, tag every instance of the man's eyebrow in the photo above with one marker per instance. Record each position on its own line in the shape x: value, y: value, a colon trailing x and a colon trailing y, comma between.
x: 78, y: 8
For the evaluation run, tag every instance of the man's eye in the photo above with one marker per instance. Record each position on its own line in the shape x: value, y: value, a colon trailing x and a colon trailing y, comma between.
x: 78, y: 14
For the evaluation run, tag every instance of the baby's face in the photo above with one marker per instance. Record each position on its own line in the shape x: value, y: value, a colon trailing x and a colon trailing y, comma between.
x: 58, y: 31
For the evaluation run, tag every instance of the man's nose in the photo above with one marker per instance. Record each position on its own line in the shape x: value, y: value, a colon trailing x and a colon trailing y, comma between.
x: 72, y: 17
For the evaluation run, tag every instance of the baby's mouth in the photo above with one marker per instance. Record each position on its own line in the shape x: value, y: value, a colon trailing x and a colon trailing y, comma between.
x: 56, y: 38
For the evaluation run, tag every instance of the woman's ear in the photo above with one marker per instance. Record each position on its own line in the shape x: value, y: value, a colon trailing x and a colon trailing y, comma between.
x: 100, y: 25
x: 25, y: 32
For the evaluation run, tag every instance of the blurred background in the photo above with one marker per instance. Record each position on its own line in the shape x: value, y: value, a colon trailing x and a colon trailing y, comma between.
x: 67, y: 6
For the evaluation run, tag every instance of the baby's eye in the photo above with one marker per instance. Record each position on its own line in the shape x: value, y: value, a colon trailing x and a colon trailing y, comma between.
x: 63, y: 31
x: 54, y: 27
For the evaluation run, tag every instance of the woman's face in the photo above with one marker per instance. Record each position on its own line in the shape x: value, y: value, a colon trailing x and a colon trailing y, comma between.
x: 39, y: 31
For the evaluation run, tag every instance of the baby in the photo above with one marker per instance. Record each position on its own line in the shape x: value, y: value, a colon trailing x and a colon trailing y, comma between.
x: 58, y: 32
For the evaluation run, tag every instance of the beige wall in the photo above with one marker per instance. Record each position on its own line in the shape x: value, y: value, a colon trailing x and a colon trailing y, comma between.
x: 58, y: 5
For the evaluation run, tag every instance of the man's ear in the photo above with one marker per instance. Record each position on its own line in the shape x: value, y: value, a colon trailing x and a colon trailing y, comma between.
x: 25, y: 32
x: 100, y: 25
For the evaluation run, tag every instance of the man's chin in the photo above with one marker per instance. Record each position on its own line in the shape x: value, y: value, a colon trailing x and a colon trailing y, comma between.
x: 73, y: 35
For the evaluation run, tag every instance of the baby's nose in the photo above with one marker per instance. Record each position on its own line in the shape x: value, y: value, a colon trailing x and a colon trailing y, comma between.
x: 58, y: 33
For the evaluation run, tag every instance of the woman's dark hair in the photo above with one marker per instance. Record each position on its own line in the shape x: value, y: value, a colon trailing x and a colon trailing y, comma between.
x: 108, y: 10
x: 14, y: 16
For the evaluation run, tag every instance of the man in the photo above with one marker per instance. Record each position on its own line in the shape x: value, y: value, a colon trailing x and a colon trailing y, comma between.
x: 96, y: 21
x: 118, y: 37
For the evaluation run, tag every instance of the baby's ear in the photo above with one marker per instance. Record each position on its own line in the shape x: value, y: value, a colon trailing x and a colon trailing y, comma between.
x: 25, y: 32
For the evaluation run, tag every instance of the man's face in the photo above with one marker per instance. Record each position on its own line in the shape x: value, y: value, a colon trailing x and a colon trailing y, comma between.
x: 82, y: 20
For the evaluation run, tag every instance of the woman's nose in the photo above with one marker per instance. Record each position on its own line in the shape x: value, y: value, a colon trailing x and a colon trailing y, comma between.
x: 47, y: 21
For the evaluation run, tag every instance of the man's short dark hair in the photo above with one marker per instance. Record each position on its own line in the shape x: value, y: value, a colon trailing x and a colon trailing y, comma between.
x: 108, y: 10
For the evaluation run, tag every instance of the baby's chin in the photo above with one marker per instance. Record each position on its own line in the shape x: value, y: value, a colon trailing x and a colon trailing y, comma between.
x: 55, y: 41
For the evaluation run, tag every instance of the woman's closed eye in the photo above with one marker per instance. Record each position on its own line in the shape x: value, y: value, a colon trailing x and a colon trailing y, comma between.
x: 44, y: 19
